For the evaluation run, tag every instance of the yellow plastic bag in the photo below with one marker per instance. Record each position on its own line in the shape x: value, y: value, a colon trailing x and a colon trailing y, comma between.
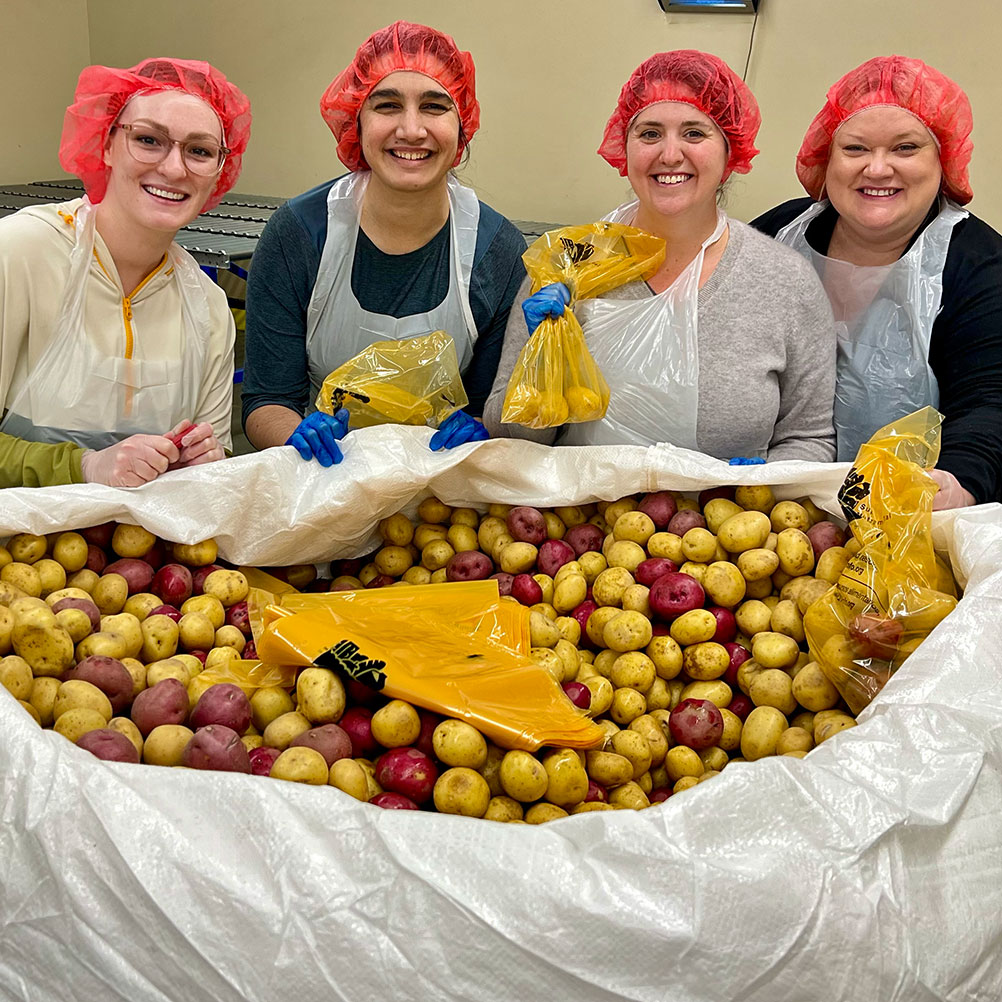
x: 414, y: 381
x: 894, y: 590
x: 397, y: 641
x: 555, y: 380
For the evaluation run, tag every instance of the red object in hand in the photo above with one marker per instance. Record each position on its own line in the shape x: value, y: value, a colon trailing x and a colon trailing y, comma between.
x: 176, y: 439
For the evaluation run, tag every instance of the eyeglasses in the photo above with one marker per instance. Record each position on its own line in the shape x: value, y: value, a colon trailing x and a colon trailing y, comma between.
x: 151, y: 146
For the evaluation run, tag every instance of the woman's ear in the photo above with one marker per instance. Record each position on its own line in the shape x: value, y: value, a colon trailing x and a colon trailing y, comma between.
x: 107, y: 148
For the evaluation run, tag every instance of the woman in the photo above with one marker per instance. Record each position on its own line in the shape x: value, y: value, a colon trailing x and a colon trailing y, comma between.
x: 914, y: 279
x: 755, y: 378
x: 395, y: 249
x: 117, y: 349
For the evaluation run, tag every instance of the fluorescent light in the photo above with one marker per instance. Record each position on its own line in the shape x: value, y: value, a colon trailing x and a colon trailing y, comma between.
x: 709, y: 6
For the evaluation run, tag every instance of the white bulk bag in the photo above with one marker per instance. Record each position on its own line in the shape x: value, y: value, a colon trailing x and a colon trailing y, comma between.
x: 868, y: 870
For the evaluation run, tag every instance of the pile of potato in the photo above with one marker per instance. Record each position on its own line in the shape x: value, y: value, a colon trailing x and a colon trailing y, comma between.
x: 676, y: 623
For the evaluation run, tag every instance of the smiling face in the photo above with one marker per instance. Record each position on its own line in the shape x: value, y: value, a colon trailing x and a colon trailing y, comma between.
x: 675, y: 160
x: 883, y: 174
x: 410, y: 132
x: 164, y: 196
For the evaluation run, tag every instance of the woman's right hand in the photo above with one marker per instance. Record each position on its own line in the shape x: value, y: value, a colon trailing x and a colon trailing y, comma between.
x: 317, y: 436
x: 550, y: 301
x: 134, y: 461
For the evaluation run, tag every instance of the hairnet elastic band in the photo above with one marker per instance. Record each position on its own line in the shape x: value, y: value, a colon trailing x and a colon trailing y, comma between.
x: 886, y: 104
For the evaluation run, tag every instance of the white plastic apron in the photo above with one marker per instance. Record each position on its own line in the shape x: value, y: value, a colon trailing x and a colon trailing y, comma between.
x: 883, y: 316
x: 648, y: 352
x: 74, y: 392
x: 337, y: 328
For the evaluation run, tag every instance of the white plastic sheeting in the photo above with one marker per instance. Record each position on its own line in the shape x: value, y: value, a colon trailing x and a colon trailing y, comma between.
x: 870, y: 870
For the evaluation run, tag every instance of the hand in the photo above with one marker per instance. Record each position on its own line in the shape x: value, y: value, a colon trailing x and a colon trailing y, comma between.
x: 457, y: 429
x: 745, y: 461
x: 317, y: 435
x: 950, y: 493
x: 196, y: 443
x: 548, y: 302
x: 132, y: 462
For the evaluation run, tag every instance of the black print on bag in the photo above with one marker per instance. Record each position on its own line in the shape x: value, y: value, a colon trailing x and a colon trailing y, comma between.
x: 577, y: 252
x: 345, y: 656
x: 853, y: 492
x: 339, y: 394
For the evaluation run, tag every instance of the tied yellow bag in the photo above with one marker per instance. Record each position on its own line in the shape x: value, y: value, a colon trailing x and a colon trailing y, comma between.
x: 894, y: 591
x: 415, y: 381
x: 555, y: 380
x: 401, y: 643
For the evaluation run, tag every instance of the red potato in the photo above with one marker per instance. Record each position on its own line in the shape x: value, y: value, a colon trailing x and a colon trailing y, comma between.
x: 155, y: 555
x: 660, y: 795
x: 216, y: 747
x: 648, y: 571
x: 579, y: 694
x: 660, y: 507
x: 527, y: 525
x: 347, y: 568
x: 696, y: 723
x: 712, y: 493
x: 553, y: 554
x: 381, y: 581
x: 504, y: 580
x: 262, y: 759
x: 250, y: 651
x: 727, y: 626
x: 112, y: 746
x: 660, y: 630
x: 526, y: 589
x: 394, y: 802
x: 97, y: 560
x: 238, y: 615
x: 108, y: 674
x: 407, y: 771
x: 172, y: 584
x: 584, y: 538
x: 468, y: 565
x: 824, y: 535
x: 358, y: 693
x: 740, y: 705
x: 429, y: 721
x: 320, y: 585
x: 685, y: 520
x: 99, y: 535
x: 582, y: 612
x: 199, y: 574
x: 137, y: 573
x: 739, y: 655
x: 596, y: 792
x: 84, y: 605
x: 329, y: 739
x: 876, y: 636
x: 356, y: 722
x: 225, y: 704
x: 167, y: 610
x: 201, y: 655
x: 164, y: 703
x: 675, y: 593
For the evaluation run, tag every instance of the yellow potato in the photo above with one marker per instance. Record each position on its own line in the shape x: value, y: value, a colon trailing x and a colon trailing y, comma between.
x: 786, y: 619
x: 503, y: 809
x: 755, y: 498
x: 794, y: 739
x: 635, y: 748
x: 110, y: 594
x: 608, y: 768
x: 614, y: 509
x: 630, y: 796
x: 629, y: 631
x: 230, y: 636
x: 761, y: 732
x: 592, y: 564
x: 633, y: 526
x: 85, y: 580
x: 753, y: 616
x: 699, y: 545
x: 47, y: 649
x: 595, y: 627
x: 397, y: 530
x: 627, y: 705
x: 394, y: 725
x: 165, y: 745
x: 610, y: 585
x: 269, y: 703
x: 321, y: 696
x: 168, y: 668
x: 705, y: 661
x: 746, y: 531
x: 196, y: 632
x: 132, y: 540
x: 26, y: 548
x: 207, y: 604
x: 75, y: 622
x: 159, y: 638
x: 199, y: 554
x: 757, y: 564
x: 666, y: 654
x: 301, y: 765
x: 658, y: 697
x: 746, y: 672
x: 724, y: 583
x: 461, y: 791
x: 654, y: 734
x: 432, y: 510
x: 682, y: 761
x: 567, y: 781
x: 812, y: 590
x: 141, y: 604
x: 795, y: 552
x: 457, y: 743
x: 730, y: 740
x: 569, y: 629
x: 717, y: 511
x: 602, y: 694
x: 22, y: 576
x: 51, y: 574
x: 416, y: 576
x: 714, y: 759
x: 666, y: 544
x: 125, y: 726
x: 555, y: 528
x: 831, y: 725
x: 626, y: 554
x: 522, y: 776
x: 693, y: 627
x: 128, y: 628
x: 774, y: 650
x: 43, y: 698
x: 349, y: 777
x: 633, y: 670
x: 73, y: 724
x: 16, y: 677
x: 789, y: 515
x: 427, y: 533
x: 540, y: 814
x: 569, y: 592
x: 694, y: 570
x: 831, y: 564
x: 773, y: 687
x: 813, y: 690
x: 517, y: 558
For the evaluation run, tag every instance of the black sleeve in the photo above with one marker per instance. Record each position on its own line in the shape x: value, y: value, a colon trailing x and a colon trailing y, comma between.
x: 279, y: 285
x: 772, y: 221
x: 493, y: 286
x: 965, y: 353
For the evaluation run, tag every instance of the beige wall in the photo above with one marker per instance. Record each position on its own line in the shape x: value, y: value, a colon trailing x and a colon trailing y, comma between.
x: 548, y: 73
x: 43, y: 45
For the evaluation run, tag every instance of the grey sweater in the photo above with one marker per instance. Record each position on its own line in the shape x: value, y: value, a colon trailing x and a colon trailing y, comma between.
x: 766, y: 356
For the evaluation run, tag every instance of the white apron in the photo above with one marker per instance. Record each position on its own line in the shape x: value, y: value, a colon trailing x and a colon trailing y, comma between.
x: 337, y: 328
x: 648, y: 352
x: 74, y: 392
x: 883, y: 317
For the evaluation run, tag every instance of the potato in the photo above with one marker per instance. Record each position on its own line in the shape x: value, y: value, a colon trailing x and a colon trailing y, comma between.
x: 209, y: 605
x: 281, y: 731
x: 614, y: 509
x: 48, y: 649
x: 218, y: 747
x: 517, y: 558
x: 774, y: 650
x: 699, y: 545
x: 761, y: 732
x: 540, y: 814
x: 773, y: 687
x: 658, y: 696
x: 813, y: 690
x: 85, y: 580
x: 626, y: 554
x: 269, y: 703
x: 685, y: 783
x: 433, y: 511
x: 6, y: 628
x: 666, y: 654
x: 810, y: 593
x: 105, y: 644
x: 746, y: 531
x: 693, y: 627
x: 786, y: 619
x: 608, y: 768
x: 426, y: 533
x: 633, y: 526
x: 75, y: 723
x: 717, y: 511
x: 159, y: 638
x: 229, y: 586
x: 628, y: 631
x: 128, y: 628
x: 831, y: 564
x: 125, y: 726
x: 43, y: 698
x: 627, y: 705
x: 730, y: 740
x: 199, y: 554
x: 666, y: 544
x: 652, y: 732
x: 522, y: 776
x: 110, y: 745
x: 397, y: 530
x: 109, y: 675
x: 633, y: 670
x: 25, y: 547
x: 831, y: 725
x: 602, y: 694
x: 567, y: 781
x: 794, y: 739
x: 165, y: 744
x: 634, y: 747
x: 683, y: 761
x: 796, y: 556
x: 301, y: 765
x: 164, y: 703
x: 16, y: 677
x: 23, y: 577
x: 724, y: 583
x: 348, y: 776
x: 755, y: 498
x: 142, y: 604
x: 570, y: 592
x: 416, y: 575
x: 396, y: 724
x: 789, y: 515
x: 110, y: 593
x: 490, y: 529
x: 503, y: 809
x: 462, y: 791
x: 757, y: 564
x: 70, y: 549
x: 462, y: 538
x: 705, y: 661
x: 196, y: 632
x: 131, y: 540
x: 52, y: 575
x: 230, y: 636
x: 753, y: 616
x: 321, y: 695
x: 457, y: 743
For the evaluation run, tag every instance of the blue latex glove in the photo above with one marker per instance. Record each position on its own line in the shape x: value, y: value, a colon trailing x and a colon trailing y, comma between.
x: 456, y: 429
x: 745, y: 461
x: 548, y: 302
x: 316, y: 436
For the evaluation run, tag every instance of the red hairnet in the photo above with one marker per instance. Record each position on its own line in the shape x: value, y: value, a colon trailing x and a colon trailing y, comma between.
x: 102, y: 92
x: 932, y: 98
x: 696, y: 78
x: 401, y: 46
